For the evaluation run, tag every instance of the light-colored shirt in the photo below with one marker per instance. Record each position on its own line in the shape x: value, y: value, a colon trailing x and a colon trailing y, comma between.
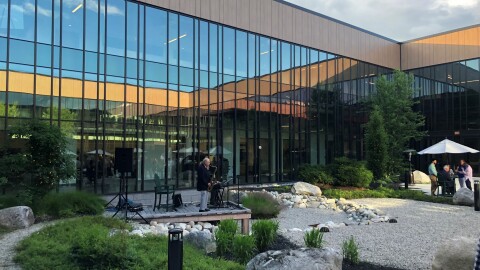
x: 432, y: 170
x: 467, y: 171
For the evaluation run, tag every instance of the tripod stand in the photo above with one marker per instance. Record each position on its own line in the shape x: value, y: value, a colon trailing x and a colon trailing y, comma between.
x: 123, y: 202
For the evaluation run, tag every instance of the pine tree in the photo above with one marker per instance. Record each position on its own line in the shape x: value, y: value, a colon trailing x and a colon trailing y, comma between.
x: 394, y: 100
x: 376, y: 144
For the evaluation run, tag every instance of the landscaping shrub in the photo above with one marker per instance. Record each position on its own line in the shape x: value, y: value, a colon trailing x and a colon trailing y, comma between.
x: 262, y: 205
x: 348, y: 172
x: 243, y: 248
x: 7, y: 201
x: 264, y: 232
x: 69, y: 204
x: 224, y: 236
x: 350, y: 251
x: 313, y: 238
x: 314, y: 174
x: 385, y: 193
x: 84, y: 243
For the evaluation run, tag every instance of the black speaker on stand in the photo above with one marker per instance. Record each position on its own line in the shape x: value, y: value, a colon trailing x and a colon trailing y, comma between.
x: 124, y: 165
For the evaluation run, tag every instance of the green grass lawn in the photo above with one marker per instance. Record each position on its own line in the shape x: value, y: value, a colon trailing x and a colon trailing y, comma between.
x: 385, y: 193
x: 84, y: 243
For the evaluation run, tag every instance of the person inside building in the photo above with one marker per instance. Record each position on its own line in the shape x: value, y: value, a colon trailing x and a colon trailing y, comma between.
x: 203, y: 181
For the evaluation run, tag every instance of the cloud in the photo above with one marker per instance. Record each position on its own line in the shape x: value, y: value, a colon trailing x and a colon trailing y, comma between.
x: 30, y: 8
x: 403, y: 20
x: 92, y: 5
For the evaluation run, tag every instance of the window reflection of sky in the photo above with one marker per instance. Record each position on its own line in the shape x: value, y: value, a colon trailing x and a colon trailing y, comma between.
x: 181, y: 53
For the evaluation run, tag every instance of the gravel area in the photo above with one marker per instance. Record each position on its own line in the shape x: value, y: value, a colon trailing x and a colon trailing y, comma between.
x: 10, y: 241
x: 408, y: 244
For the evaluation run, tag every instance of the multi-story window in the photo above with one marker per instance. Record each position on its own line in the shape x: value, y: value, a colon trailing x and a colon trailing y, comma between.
x: 116, y: 73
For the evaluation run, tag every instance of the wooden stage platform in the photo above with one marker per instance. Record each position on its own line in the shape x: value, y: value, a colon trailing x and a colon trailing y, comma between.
x: 189, y: 212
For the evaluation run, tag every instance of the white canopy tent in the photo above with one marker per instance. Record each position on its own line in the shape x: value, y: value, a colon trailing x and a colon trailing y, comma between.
x: 449, y: 147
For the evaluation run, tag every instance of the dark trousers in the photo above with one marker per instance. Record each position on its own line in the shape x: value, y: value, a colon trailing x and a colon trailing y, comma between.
x: 468, y: 183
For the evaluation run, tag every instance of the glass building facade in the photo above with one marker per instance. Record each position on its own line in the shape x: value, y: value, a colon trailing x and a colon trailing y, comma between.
x: 177, y: 88
x: 449, y: 97
x: 115, y: 73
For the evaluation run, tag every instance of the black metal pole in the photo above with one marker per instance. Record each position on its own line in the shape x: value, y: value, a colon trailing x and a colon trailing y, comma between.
x: 175, y: 249
x: 476, y: 194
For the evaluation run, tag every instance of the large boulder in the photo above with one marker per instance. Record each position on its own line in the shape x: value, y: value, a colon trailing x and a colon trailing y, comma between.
x: 17, y: 217
x: 304, y: 258
x: 420, y: 177
x: 306, y: 189
x: 463, y: 196
x: 202, y: 240
x: 457, y: 253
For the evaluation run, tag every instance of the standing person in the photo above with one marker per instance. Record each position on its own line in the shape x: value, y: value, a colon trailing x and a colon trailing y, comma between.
x: 203, y: 181
x: 461, y: 175
x: 432, y: 173
x: 467, y: 172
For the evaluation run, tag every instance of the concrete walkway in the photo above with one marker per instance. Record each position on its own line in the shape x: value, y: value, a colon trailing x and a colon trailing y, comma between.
x: 426, y: 187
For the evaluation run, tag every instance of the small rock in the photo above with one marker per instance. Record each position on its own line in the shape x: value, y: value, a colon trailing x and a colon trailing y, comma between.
x: 295, y: 230
x: 136, y: 232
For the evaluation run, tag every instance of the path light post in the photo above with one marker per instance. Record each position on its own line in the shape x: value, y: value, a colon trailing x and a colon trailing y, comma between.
x: 175, y: 249
x: 408, y: 179
x: 476, y: 194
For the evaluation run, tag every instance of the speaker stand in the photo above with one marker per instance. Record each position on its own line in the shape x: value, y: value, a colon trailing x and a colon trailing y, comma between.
x: 126, y: 205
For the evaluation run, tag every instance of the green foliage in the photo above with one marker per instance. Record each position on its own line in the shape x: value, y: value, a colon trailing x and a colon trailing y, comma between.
x: 408, y: 194
x: 12, y: 110
x: 83, y: 243
x: 69, y: 204
x: 224, y: 236
x: 350, y: 251
x: 243, y: 248
x: 7, y: 201
x: 376, y: 144
x: 265, y: 233
x: 12, y: 168
x: 280, y: 189
x: 67, y: 116
x: 313, y: 238
x: 314, y: 174
x: 262, y: 205
x: 394, y: 100
x: 348, y: 172
x: 45, y: 158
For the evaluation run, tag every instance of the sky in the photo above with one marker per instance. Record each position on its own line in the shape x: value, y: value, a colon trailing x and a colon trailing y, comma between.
x: 400, y: 20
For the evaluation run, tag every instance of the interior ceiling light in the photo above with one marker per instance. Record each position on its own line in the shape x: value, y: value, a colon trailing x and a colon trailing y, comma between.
x: 77, y: 8
x: 175, y: 39
x: 265, y: 52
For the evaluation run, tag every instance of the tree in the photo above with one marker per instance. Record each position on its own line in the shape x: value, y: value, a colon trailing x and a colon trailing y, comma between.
x: 45, y: 157
x: 12, y: 110
x: 376, y: 140
x: 67, y: 117
x: 394, y: 100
